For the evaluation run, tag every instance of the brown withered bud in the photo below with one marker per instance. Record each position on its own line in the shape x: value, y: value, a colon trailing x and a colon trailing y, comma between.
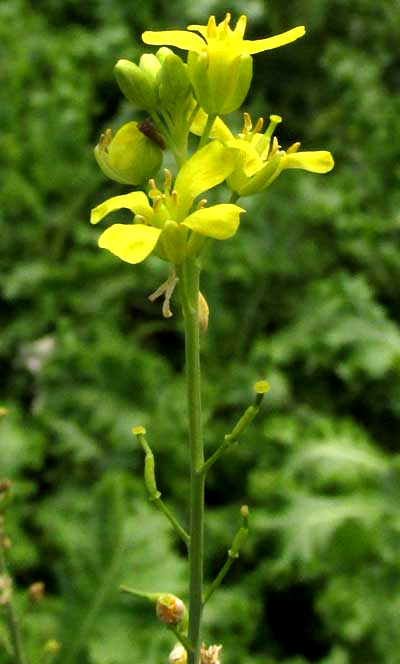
x: 36, y: 591
x: 210, y: 655
x: 170, y: 609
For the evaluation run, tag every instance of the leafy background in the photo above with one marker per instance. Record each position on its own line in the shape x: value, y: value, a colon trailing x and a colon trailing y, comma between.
x: 305, y: 295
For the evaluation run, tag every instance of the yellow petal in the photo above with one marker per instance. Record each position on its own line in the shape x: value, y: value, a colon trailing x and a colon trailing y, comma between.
x: 218, y: 221
x: 205, y: 169
x: 219, y: 130
x: 136, y: 201
x: 316, y: 161
x: 179, y: 38
x: 130, y: 243
x: 199, y: 28
x: 259, y: 45
x: 252, y: 162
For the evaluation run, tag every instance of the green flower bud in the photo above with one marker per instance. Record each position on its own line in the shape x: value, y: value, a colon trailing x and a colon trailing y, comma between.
x: 174, y: 83
x: 220, y: 81
x: 130, y: 157
x: 138, y: 83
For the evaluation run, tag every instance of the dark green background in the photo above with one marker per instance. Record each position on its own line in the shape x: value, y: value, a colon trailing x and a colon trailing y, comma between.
x: 305, y: 295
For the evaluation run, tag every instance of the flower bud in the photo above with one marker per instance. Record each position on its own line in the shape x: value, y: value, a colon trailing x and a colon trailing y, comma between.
x: 170, y: 609
x: 130, y: 157
x: 174, y: 83
x: 138, y: 83
x: 220, y: 81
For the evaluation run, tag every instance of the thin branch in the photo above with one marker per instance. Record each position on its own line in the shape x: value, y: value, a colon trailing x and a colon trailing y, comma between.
x: 151, y: 486
x: 233, y: 553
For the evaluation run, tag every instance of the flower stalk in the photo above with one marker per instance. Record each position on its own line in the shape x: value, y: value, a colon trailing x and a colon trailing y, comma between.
x: 189, y: 281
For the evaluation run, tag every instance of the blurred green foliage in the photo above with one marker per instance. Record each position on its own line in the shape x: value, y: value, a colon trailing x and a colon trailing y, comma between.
x: 305, y: 295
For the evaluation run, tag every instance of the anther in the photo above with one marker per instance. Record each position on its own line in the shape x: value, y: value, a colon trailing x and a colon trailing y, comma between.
x: 293, y: 148
x: 167, y: 180
x: 202, y: 203
x: 211, y: 27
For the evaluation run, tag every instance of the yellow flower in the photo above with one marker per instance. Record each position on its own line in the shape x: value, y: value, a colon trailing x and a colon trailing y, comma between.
x: 219, y: 61
x: 259, y: 157
x: 163, y: 221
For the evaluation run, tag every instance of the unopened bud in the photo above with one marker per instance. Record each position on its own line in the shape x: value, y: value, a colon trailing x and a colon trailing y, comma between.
x: 170, y: 609
x: 3, y: 411
x: 130, y: 157
x: 5, y: 542
x: 174, y: 83
x: 138, y: 84
x: 36, y: 591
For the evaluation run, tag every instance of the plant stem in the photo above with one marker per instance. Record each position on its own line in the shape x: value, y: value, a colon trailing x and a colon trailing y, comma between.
x: 190, y: 275
x: 208, y: 126
x: 13, y: 626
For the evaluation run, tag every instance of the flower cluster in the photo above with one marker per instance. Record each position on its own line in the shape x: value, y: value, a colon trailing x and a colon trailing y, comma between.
x: 172, y: 221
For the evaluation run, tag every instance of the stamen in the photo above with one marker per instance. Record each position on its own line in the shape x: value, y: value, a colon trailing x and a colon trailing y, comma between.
x: 212, y: 28
x: 105, y: 140
x: 167, y: 180
x: 275, y: 147
x: 139, y: 219
x: 226, y: 27
x: 259, y: 125
x: 247, y: 123
x: 158, y: 201
x: 202, y: 203
x: 166, y: 289
x: 174, y: 197
x: 293, y: 148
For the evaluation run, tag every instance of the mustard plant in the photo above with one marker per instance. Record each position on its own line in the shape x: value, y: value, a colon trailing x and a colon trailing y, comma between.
x: 172, y: 220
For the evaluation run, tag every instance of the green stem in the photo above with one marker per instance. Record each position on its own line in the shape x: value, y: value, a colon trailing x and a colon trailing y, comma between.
x: 190, y: 276
x: 207, y: 129
x: 13, y: 626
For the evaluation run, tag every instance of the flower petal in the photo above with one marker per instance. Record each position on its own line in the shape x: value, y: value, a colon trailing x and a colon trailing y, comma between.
x: 258, y: 45
x: 219, y: 129
x: 130, y: 243
x: 205, y: 169
x: 179, y: 38
x: 136, y: 201
x: 218, y: 221
x: 252, y: 161
x: 318, y: 161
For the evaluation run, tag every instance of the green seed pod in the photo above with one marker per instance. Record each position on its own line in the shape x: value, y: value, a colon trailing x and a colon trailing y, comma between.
x: 130, y: 157
x: 138, y: 84
x: 220, y: 82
